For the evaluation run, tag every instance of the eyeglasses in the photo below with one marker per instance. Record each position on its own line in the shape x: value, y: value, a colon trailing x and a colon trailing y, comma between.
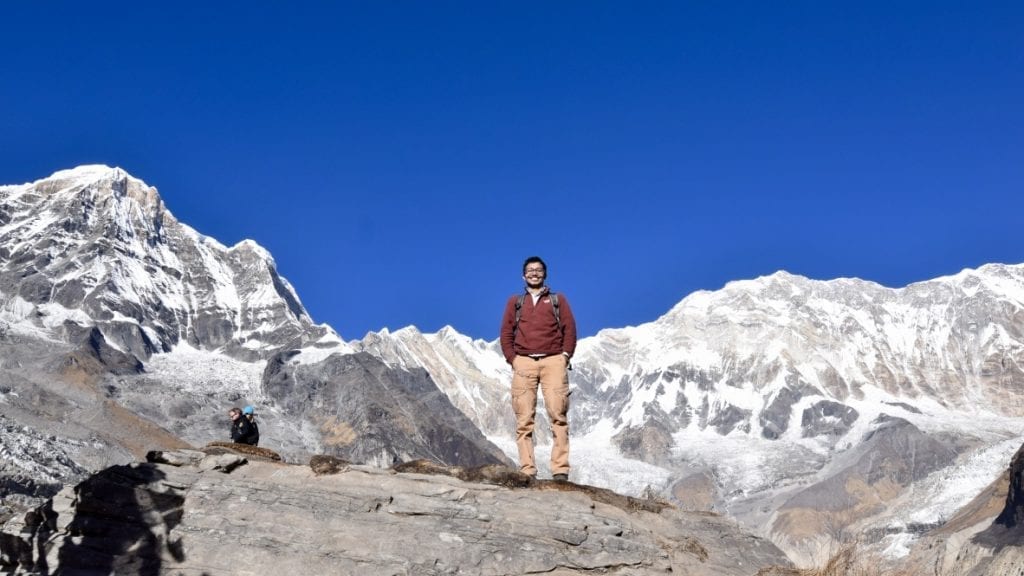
x: 534, y: 271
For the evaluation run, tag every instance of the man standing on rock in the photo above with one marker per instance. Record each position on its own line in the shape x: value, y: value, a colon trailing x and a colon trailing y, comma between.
x: 538, y: 338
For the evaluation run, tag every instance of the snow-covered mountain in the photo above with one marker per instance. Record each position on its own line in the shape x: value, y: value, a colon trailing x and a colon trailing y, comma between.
x: 790, y: 403
x: 812, y: 411
x: 96, y: 246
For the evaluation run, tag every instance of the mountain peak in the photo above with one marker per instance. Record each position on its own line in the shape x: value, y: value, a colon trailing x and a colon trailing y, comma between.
x: 89, y: 173
x: 85, y: 170
x: 252, y: 246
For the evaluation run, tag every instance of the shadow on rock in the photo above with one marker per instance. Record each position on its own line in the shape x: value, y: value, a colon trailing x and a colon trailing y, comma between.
x: 122, y: 522
x: 18, y: 550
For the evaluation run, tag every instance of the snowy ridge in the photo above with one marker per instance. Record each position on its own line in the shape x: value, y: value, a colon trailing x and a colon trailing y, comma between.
x: 930, y: 339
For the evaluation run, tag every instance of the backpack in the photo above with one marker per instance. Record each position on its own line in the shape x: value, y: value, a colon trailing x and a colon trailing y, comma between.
x: 250, y: 414
x: 554, y: 307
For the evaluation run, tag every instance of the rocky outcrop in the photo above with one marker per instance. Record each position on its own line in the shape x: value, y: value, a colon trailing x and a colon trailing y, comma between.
x: 985, y: 538
x: 204, y: 516
x: 1012, y: 515
x: 370, y: 413
x: 472, y: 373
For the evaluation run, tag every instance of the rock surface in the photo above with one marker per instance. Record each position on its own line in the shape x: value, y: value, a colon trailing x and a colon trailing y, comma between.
x: 265, y: 517
x: 370, y: 413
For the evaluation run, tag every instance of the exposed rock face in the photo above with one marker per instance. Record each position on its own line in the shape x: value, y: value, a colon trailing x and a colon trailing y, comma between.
x: 195, y: 518
x: 473, y: 373
x: 971, y: 543
x: 650, y: 443
x: 827, y: 418
x: 370, y: 413
x: 891, y: 458
x: 1012, y: 515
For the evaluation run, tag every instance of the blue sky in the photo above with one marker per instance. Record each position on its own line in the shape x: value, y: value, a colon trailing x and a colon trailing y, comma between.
x: 401, y: 159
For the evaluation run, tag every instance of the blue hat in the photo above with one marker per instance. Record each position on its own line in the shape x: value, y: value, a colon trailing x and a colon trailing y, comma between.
x: 247, y: 410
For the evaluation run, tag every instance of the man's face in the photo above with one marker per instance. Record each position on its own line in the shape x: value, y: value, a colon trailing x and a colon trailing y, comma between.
x: 534, y: 275
x: 234, y: 415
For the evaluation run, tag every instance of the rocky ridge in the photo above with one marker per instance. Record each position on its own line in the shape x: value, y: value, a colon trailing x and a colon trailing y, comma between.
x: 221, y: 512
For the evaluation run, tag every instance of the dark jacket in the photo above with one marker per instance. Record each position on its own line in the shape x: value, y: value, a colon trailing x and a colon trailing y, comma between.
x: 243, y: 432
x: 538, y: 331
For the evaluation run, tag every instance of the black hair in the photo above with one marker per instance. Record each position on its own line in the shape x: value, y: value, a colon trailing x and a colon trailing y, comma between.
x: 533, y: 260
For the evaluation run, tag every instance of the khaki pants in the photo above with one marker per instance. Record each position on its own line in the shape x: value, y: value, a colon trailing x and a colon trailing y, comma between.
x: 552, y: 375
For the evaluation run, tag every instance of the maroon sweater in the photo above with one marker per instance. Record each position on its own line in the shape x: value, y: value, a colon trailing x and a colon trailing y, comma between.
x: 538, y: 331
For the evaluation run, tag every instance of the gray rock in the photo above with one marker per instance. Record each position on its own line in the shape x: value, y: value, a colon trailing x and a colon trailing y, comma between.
x: 371, y: 413
x: 225, y: 463
x: 827, y: 418
x: 277, y: 519
x: 176, y: 457
x: 1012, y: 515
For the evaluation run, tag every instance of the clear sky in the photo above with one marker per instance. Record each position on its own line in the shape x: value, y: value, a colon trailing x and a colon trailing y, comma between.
x: 401, y: 159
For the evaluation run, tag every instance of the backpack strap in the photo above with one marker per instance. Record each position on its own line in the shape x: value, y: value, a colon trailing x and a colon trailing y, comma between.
x: 554, y: 307
x: 519, y: 306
